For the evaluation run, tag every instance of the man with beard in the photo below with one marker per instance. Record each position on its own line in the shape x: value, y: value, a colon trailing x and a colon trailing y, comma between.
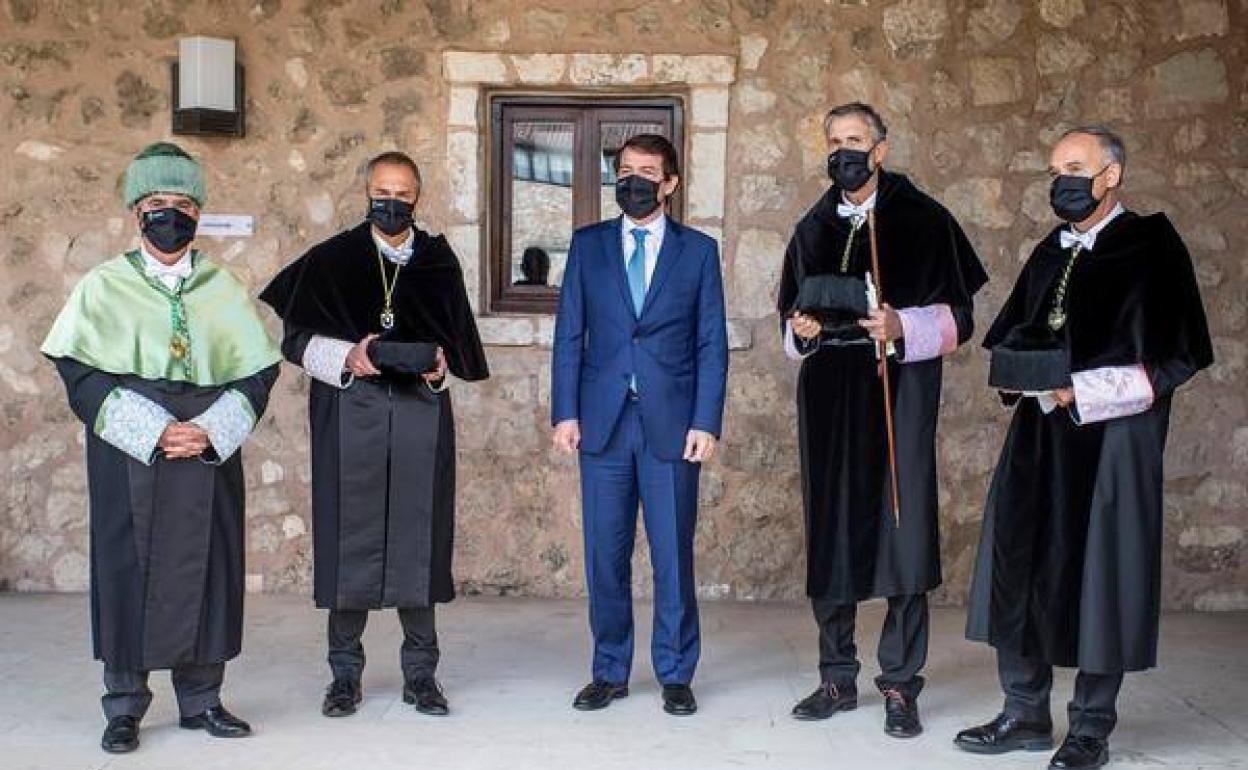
x: 168, y: 365
x: 1069, y: 564
x: 637, y: 385
x: 375, y: 315
x: 856, y: 548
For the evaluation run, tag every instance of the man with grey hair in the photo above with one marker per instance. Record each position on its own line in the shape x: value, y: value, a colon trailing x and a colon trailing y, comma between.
x: 1104, y: 323
x: 856, y: 548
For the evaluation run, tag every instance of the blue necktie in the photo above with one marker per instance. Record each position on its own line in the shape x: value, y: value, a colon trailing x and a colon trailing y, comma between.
x: 637, y: 271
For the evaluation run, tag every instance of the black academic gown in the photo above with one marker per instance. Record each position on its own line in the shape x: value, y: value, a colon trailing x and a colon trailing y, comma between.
x: 167, y: 542
x: 854, y: 551
x: 383, y: 449
x: 1069, y: 562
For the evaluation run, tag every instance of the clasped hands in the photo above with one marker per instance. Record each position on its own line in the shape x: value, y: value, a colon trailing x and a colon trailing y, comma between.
x: 183, y: 440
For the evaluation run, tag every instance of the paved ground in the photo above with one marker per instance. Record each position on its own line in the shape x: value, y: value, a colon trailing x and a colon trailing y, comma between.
x: 510, y: 667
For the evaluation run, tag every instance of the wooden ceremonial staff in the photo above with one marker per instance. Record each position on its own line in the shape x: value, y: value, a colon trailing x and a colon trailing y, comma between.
x: 882, y: 347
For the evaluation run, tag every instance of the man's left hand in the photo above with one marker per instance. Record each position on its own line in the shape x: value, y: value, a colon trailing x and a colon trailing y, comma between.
x: 699, y: 446
x: 439, y: 369
x: 883, y: 324
x: 1064, y: 396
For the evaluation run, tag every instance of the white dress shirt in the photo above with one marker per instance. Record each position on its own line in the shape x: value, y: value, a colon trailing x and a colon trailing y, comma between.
x: 855, y: 212
x: 654, y: 241
x: 1070, y: 236
x: 169, y: 275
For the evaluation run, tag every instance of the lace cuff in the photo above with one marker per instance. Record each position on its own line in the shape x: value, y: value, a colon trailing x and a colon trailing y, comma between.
x: 928, y: 331
x: 325, y: 359
x: 1109, y: 392
x: 132, y: 423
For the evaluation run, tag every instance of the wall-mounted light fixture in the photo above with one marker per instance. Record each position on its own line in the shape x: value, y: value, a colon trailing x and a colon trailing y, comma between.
x: 208, y: 88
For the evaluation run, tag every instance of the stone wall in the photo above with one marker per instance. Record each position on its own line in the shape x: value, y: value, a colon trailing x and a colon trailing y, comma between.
x: 974, y: 91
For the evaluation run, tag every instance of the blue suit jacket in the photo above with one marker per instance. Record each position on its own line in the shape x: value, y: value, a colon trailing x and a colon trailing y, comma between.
x: 678, y: 348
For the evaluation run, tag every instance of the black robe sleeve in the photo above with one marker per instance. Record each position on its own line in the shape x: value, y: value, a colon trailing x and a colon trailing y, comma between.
x: 294, y: 343
x: 1189, y: 348
x: 87, y: 388
x: 256, y: 388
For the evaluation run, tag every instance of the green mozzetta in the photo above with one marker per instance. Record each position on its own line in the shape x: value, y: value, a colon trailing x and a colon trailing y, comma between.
x: 119, y: 321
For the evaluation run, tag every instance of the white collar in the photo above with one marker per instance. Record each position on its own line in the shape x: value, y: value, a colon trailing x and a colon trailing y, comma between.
x: 398, y: 254
x: 654, y: 230
x: 154, y: 267
x: 847, y: 209
x: 1087, y: 239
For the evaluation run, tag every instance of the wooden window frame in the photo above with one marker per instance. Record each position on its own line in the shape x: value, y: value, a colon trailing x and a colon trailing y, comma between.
x: 586, y: 112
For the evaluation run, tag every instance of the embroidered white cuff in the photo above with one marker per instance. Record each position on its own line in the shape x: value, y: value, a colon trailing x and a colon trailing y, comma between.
x: 929, y: 332
x: 791, y: 344
x: 132, y: 423
x: 228, y: 423
x: 325, y: 359
x: 1109, y: 392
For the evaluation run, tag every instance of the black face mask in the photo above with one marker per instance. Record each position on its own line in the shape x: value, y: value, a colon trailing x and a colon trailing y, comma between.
x: 850, y: 169
x: 391, y: 215
x: 169, y: 229
x: 1071, y: 196
x: 637, y: 196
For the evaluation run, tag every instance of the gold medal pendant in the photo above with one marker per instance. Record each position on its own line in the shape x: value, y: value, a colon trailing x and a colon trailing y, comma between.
x: 387, y: 320
x: 178, y: 348
x: 1057, y: 319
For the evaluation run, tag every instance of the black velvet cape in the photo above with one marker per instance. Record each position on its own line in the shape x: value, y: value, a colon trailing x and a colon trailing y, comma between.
x: 383, y: 448
x: 1069, y: 562
x: 854, y: 550
x: 335, y: 290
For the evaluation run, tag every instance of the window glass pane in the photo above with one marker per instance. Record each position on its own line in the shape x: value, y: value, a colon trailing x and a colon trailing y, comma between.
x: 541, y: 201
x: 614, y: 135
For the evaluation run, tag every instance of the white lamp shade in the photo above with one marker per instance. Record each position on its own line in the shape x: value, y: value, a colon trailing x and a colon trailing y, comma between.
x: 206, y: 74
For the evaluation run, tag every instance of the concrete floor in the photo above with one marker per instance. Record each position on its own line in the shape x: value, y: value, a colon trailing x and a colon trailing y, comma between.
x: 510, y: 667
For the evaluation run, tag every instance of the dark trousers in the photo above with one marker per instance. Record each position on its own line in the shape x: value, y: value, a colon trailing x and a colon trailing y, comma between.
x: 902, y: 651
x: 198, y: 689
x: 418, y: 654
x: 1027, y: 684
x: 613, y: 482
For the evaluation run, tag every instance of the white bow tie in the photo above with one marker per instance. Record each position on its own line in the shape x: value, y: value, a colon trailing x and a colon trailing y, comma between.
x: 849, y: 211
x: 1069, y: 239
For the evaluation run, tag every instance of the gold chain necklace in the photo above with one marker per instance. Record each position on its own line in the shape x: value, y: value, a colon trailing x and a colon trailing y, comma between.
x: 387, y: 289
x: 1057, y: 315
x: 854, y: 224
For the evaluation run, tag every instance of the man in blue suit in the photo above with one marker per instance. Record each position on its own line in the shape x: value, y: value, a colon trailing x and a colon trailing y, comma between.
x: 639, y: 373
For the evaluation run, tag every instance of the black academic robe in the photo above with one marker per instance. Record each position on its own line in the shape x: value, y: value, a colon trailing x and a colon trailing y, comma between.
x: 854, y: 550
x: 167, y: 542
x: 1069, y: 562
x: 383, y: 448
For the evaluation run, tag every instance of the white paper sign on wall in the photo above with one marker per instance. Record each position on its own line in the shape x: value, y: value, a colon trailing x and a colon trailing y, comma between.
x: 227, y: 225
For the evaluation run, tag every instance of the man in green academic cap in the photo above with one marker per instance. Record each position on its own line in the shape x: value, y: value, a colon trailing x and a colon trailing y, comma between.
x: 168, y: 365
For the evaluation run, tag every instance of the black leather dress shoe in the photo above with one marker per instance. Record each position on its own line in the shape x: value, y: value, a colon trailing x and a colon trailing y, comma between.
x: 678, y: 700
x: 425, y: 694
x: 341, y: 698
x: 901, y: 715
x: 121, y: 736
x: 1005, y: 733
x: 826, y: 701
x: 218, y: 722
x: 1080, y: 752
x: 598, y: 695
